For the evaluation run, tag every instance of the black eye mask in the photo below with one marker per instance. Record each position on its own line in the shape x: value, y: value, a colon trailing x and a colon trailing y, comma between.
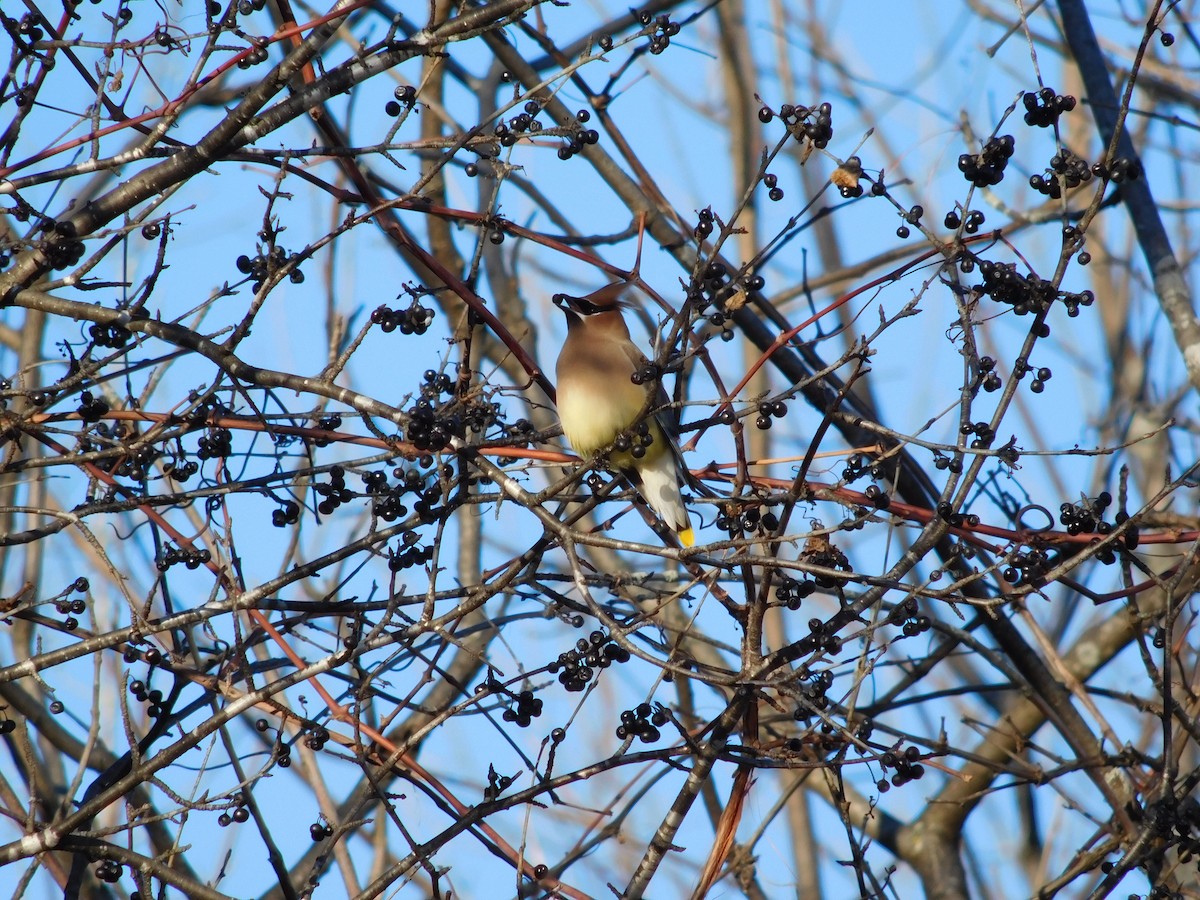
x: 581, y: 305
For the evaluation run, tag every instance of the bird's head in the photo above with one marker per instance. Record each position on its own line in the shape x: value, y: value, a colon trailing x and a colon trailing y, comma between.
x: 593, y: 306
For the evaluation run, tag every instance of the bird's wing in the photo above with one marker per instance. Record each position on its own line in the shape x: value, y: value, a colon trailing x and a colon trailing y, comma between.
x: 668, y: 419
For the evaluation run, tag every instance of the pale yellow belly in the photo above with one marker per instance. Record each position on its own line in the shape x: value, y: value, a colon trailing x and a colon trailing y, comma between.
x: 592, y: 419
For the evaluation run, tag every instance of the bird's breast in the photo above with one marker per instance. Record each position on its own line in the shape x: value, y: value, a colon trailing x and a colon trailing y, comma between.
x: 596, y: 399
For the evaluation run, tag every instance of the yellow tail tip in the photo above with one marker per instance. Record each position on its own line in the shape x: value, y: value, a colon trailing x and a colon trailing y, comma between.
x: 687, y: 537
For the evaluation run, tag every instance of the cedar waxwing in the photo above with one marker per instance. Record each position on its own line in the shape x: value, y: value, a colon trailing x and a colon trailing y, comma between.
x: 598, y: 402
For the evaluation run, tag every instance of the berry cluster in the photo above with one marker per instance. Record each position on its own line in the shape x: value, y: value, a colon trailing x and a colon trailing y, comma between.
x: 819, y: 130
x: 109, y: 871
x: 820, y: 551
x: 257, y: 53
x: 1043, y: 108
x: 971, y: 224
x: 878, y: 496
x: 181, y: 471
x: 744, y: 518
x: 766, y: 410
x: 987, y: 377
x: 508, y: 132
x: 1122, y: 169
x: 647, y: 374
x: 858, y: 465
x: 410, y: 556
x: 664, y: 30
x: 152, y: 655
x: 846, y: 178
x: 142, y: 695
x: 406, y: 98
x: 711, y: 289
x: 911, y: 217
x: 112, y: 336
x: 1066, y: 168
x: 1027, y: 566
x: 986, y: 168
x: 956, y: 519
x: 636, y: 440
x: 479, y: 416
x: 335, y: 493
x: 950, y: 463
x: 92, y: 409
x: 813, y: 696
x: 822, y: 638
x: 642, y: 722
x: 984, y: 434
x: 288, y: 514
x: 433, y: 421
x: 137, y: 463
x: 387, y: 503
x: 386, y: 497
x: 527, y: 709
x: 330, y: 422
x: 908, y: 616
x: 60, y: 248
x: 791, y: 592
x: 217, y: 444
x: 24, y: 31
x: 1073, y: 301
x: 172, y: 556
x: 1042, y: 374
x: 906, y: 765
x: 1176, y: 822
x: 244, y: 7
x: 430, y: 427
x: 427, y: 431
x: 240, y: 813
x: 317, y: 738
x: 1087, y: 516
x: 1026, y: 294
x: 261, y: 265
x: 814, y: 124
x: 579, y: 136
x: 774, y: 191
x: 577, y: 666
x: 318, y: 832
x: 414, y: 320
x: 72, y: 608
x: 964, y: 550
x: 704, y: 225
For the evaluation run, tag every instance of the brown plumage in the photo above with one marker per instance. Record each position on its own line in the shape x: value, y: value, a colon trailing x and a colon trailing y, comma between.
x: 598, y: 401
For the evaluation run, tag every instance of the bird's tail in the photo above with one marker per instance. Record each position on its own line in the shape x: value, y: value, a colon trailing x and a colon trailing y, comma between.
x: 658, y: 482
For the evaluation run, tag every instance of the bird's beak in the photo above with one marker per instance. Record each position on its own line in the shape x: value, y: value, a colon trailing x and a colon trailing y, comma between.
x: 568, y: 304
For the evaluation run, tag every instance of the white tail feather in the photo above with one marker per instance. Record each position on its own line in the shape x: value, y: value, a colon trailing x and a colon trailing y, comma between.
x: 660, y: 487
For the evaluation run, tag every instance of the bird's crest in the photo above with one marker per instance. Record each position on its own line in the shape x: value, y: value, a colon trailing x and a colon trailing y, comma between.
x: 606, y: 299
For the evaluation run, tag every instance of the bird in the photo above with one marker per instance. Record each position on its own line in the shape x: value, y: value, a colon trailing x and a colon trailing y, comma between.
x: 606, y: 392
